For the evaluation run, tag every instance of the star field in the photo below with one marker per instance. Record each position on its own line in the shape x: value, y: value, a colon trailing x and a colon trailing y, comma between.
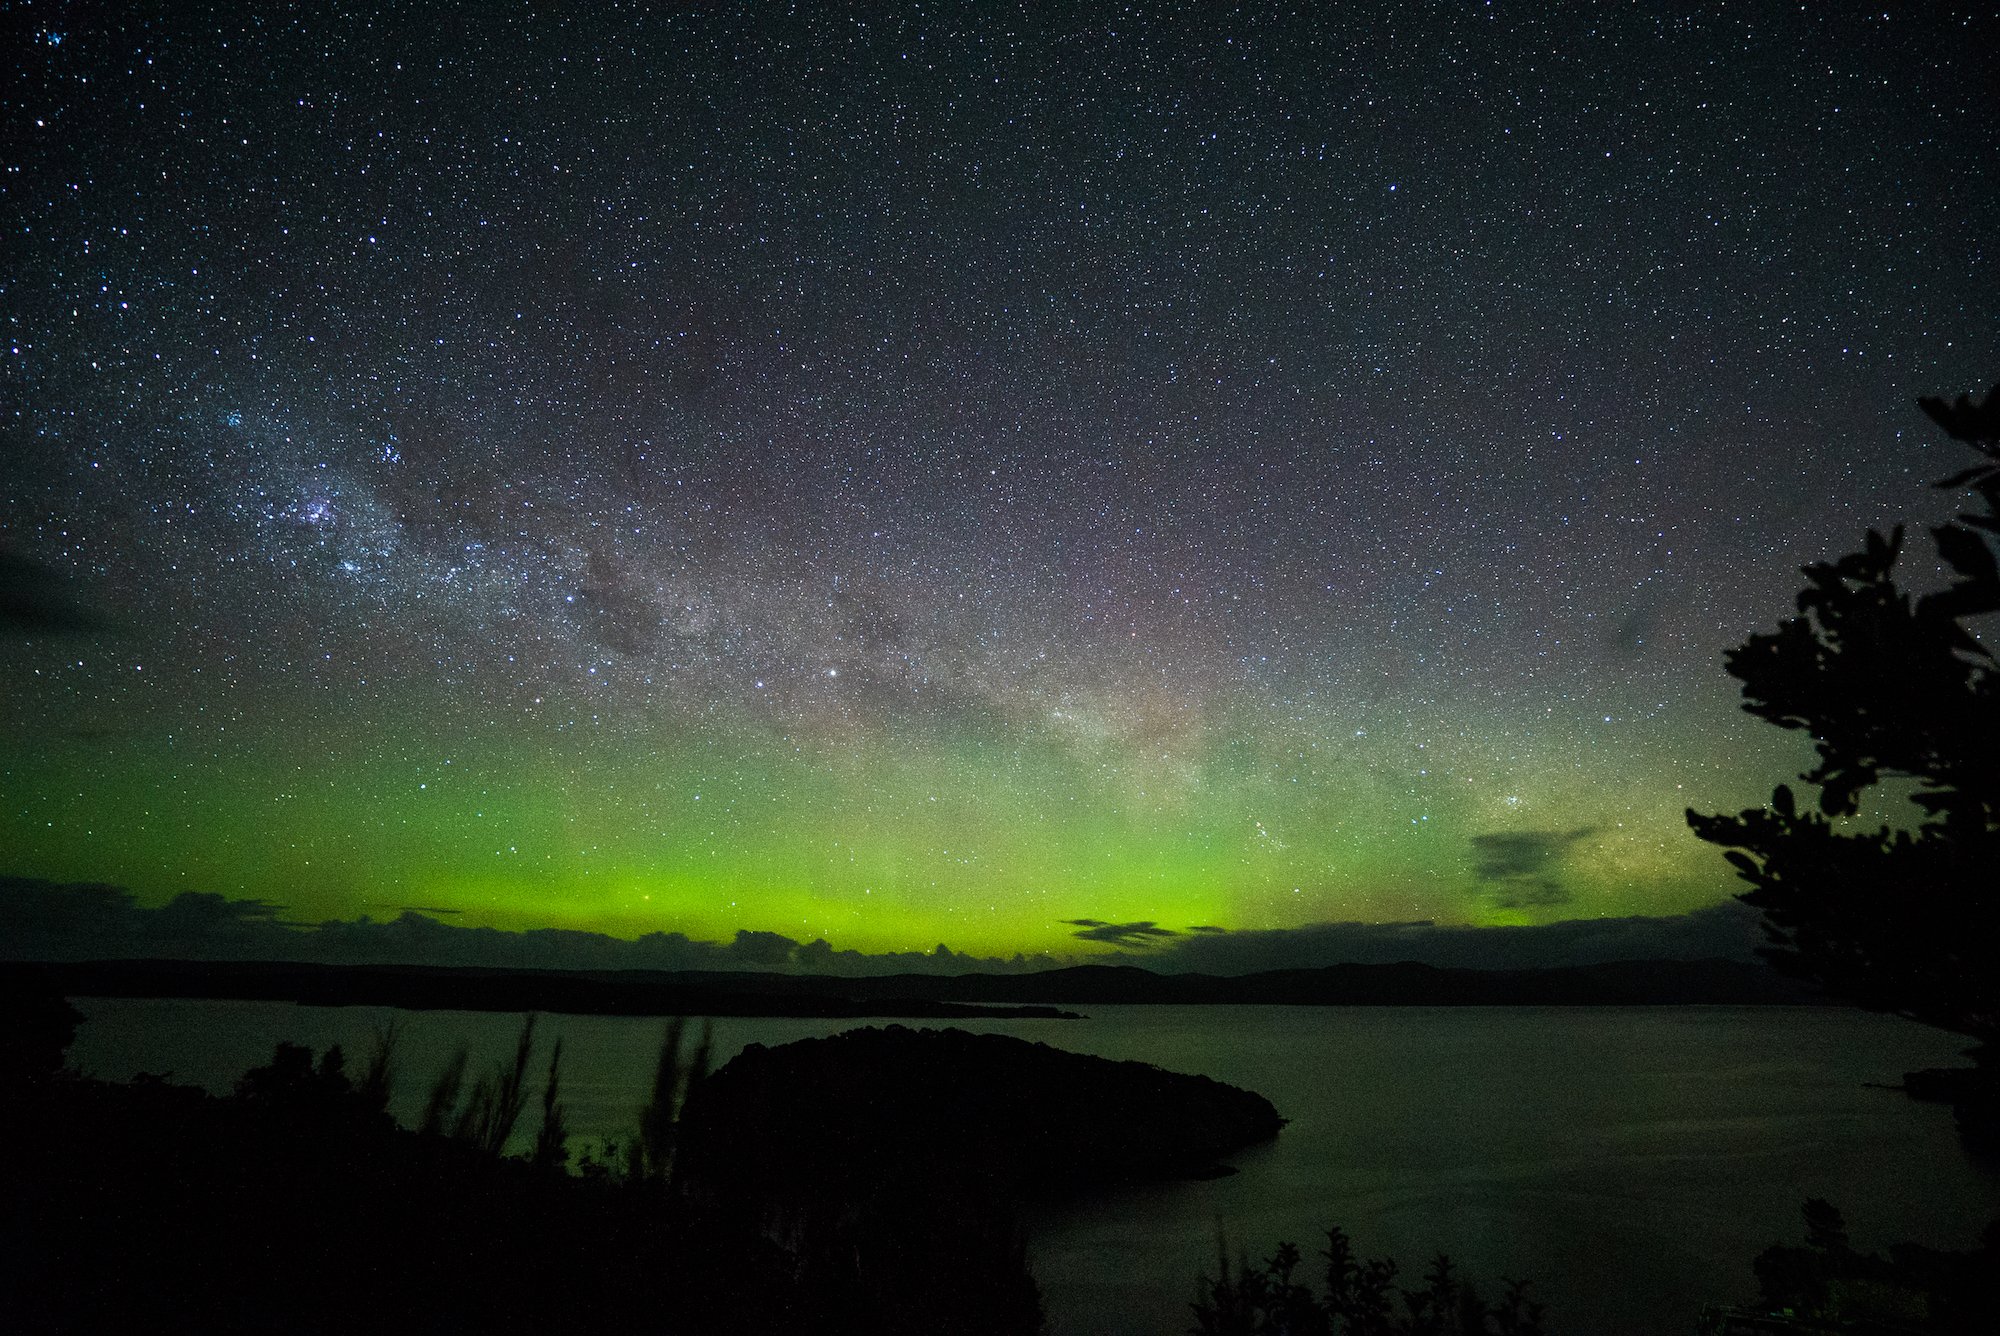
x: 915, y: 473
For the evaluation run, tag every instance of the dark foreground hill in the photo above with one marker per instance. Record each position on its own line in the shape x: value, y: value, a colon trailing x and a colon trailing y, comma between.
x: 911, y: 1150
x: 869, y: 1106
x: 910, y: 996
x: 861, y: 1185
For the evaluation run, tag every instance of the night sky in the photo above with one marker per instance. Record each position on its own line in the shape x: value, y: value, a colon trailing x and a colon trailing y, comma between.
x: 917, y: 474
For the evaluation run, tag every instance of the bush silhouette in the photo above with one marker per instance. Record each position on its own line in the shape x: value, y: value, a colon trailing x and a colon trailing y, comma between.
x: 380, y: 1076
x: 1911, y: 1289
x: 441, y: 1106
x: 1357, y: 1298
x: 653, y: 1149
x: 38, y: 1031
x: 489, y: 1115
x: 486, y: 1118
x: 552, y: 1141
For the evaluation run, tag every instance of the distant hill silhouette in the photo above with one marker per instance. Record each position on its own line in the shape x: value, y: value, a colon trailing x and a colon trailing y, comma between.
x: 1620, y: 983
x: 468, y: 988
x: 912, y: 996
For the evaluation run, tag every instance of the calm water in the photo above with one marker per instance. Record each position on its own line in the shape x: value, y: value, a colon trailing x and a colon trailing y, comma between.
x: 1631, y: 1162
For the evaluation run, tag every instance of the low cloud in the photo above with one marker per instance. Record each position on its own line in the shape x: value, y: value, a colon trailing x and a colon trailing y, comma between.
x: 1528, y: 893
x: 1142, y: 934
x: 42, y: 920
x: 1520, y: 867
x: 1520, y: 853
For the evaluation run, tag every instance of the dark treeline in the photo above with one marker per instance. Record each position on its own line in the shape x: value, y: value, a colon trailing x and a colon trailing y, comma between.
x: 716, y: 993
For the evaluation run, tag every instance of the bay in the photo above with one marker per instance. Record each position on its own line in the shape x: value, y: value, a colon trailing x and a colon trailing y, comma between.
x: 1630, y: 1162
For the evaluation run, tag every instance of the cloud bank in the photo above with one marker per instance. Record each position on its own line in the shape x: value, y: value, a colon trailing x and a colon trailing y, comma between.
x: 42, y: 920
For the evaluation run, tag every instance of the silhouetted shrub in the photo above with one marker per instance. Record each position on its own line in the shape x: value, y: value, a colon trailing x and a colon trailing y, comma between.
x: 440, y: 1107
x: 655, y: 1146
x: 36, y: 1029
x: 552, y: 1141
x: 1912, y: 1289
x: 379, y: 1079
x: 488, y: 1118
x: 1357, y: 1298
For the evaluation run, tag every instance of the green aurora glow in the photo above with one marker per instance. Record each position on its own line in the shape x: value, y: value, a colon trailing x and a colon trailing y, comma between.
x: 848, y: 473
x: 986, y: 839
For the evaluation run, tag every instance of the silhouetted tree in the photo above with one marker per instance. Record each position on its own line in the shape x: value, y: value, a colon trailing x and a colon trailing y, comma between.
x: 1895, y: 687
x: 292, y: 1088
x: 291, y: 1077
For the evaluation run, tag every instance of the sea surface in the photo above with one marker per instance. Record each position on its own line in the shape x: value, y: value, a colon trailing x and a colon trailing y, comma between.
x: 1630, y: 1162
